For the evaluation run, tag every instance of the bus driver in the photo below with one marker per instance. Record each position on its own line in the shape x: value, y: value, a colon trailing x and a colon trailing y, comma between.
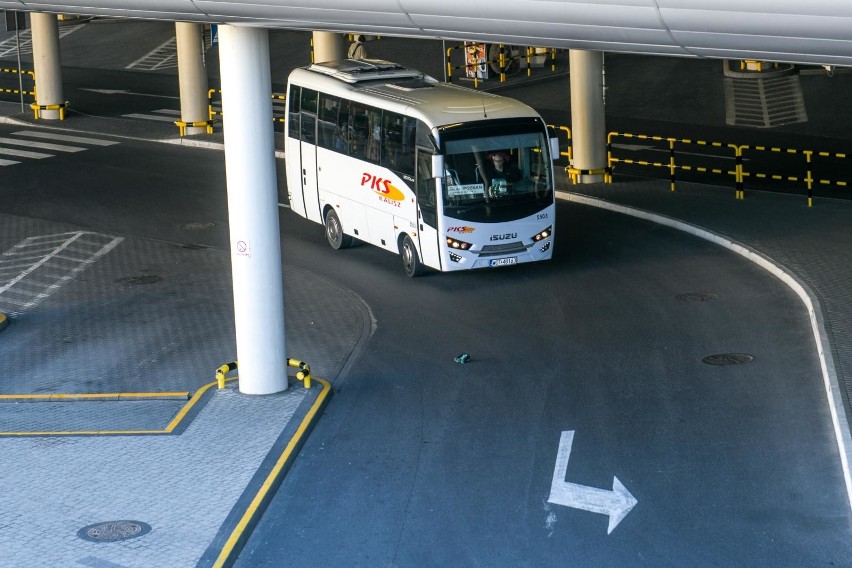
x: 500, y: 173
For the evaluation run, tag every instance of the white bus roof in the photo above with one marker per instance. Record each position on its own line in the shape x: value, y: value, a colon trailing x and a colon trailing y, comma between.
x: 408, y: 91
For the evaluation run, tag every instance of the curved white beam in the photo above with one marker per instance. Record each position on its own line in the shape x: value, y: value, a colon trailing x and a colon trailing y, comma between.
x: 795, y: 31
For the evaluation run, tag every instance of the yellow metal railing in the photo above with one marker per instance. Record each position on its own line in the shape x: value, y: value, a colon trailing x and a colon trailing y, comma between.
x: 803, y: 173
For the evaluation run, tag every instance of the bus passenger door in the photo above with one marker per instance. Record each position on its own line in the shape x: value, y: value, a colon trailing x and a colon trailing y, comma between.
x: 309, y: 168
x: 427, y: 215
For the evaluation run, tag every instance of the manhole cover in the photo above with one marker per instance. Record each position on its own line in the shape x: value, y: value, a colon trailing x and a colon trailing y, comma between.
x: 113, y: 531
x: 728, y: 359
x: 696, y: 297
x: 138, y: 280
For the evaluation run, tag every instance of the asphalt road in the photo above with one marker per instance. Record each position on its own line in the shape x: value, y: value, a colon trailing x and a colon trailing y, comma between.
x: 421, y: 461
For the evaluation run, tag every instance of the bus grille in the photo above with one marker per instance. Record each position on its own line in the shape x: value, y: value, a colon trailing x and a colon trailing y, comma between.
x: 504, y: 248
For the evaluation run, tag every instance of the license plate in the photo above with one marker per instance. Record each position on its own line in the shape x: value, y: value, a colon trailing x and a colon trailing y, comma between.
x: 504, y: 261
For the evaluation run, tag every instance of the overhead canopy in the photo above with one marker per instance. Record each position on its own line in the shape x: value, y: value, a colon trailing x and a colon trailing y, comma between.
x: 810, y: 32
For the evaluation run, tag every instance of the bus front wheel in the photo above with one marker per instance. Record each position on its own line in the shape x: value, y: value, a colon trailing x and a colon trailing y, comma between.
x: 410, y: 260
x: 334, y: 232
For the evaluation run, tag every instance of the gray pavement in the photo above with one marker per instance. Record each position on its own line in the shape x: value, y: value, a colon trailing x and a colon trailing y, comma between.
x: 109, y: 395
x: 189, y: 464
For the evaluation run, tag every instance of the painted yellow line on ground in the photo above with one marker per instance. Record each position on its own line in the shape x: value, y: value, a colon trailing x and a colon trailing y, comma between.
x: 175, y: 422
x: 272, y: 478
x: 58, y: 397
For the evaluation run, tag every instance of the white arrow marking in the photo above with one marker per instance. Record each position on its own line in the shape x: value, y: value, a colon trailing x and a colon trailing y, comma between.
x: 616, y: 503
x: 125, y: 92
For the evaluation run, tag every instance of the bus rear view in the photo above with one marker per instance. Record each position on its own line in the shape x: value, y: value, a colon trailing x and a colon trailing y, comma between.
x: 447, y: 177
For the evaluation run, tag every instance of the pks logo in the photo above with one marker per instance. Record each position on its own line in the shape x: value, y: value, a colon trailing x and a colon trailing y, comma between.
x: 460, y: 229
x: 382, y: 186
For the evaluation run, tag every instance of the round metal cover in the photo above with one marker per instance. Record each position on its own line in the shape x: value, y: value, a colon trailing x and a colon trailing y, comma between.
x: 696, y: 297
x: 728, y: 359
x: 113, y: 531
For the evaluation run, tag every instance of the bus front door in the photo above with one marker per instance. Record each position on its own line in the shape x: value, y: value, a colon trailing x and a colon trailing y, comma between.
x: 308, y: 153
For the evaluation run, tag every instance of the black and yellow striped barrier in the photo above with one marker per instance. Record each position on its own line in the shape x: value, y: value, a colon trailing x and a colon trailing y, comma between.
x: 739, y: 173
x: 19, y: 75
x: 569, y: 152
x: 212, y: 113
x: 304, y: 373
x: 182, y: 126
x: 38, y: 109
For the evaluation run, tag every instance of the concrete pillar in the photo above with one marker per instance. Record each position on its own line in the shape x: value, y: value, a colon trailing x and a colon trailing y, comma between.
x: 253, y: 208
x: 47, y: 63
x: 328, y: 46
x: 192, y: 75
x: 588, y: 125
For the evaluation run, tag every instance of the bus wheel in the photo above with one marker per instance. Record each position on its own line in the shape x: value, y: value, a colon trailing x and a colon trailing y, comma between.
x: 334, y: 232
x: 410, y: 261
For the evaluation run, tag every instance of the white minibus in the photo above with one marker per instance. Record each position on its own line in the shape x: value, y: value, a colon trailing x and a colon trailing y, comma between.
x: 447, y: 177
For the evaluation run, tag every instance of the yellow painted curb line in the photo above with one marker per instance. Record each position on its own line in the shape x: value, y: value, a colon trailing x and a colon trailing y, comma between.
x: 254, y: 508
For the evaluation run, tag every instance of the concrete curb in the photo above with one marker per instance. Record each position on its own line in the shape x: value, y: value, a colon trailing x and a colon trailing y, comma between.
x: 809, y: 299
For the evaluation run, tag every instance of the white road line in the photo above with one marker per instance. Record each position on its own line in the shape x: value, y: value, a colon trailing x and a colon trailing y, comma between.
x: 65, y: 137
x: 41, y: 145
x: 150, y: 117
x: 23, y: 153
x: 171, y: 111
x: 159, y: 54
x: 8, y: 162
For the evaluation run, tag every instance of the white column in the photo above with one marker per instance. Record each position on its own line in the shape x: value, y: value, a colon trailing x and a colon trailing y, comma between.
x: 328, y: 46
x: 47, y: 63
x: 192, y: 75
x: 588, y: 125
x: 253, y: 208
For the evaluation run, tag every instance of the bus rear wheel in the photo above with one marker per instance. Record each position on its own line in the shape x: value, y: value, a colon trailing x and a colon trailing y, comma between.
x: 334, y: 232
x: 410, y: 260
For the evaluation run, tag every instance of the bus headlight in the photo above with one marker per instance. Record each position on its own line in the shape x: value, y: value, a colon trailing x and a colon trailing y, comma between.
x: 454, y: 244
x: 542, y: 234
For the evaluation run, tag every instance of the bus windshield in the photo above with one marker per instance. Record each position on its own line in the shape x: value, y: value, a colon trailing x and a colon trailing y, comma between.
x: 496, y: 178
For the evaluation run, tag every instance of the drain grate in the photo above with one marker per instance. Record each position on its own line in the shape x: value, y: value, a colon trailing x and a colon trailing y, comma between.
x: 197, y: 226
x: 114, y: 531
x: 728, y: 359
x: 696, y: 297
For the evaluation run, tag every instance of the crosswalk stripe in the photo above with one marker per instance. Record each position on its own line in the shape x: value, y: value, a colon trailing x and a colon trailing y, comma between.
x: 23, y: 153
x: 65, y: 137
x: 171, y: 111
x: 42, y: 145
x: 8, y: 162
x: 150, y: 117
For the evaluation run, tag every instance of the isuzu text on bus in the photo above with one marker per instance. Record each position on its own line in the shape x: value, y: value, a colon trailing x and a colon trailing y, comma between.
x: 448, y: 177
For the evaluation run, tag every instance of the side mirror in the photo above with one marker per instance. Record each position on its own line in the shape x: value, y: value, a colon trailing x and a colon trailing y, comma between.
x: 437, y: 166
x: 554, y: 149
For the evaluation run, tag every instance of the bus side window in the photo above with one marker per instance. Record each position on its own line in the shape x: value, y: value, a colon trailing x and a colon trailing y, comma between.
x: 359, y: 118
x: 374, y: 141
x: 398, y: 147
x: 327, y: 121
x: 309, y: 110
x: 293, y: 111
